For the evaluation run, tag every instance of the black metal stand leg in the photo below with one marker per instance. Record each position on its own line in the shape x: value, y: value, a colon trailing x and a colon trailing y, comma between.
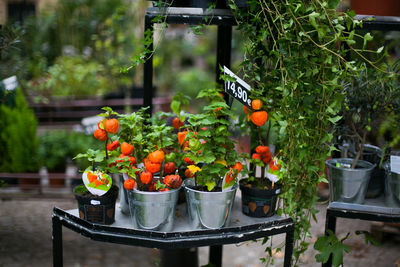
x: 57, y: 242
x: 224, y: 47
x: 179, y: 257
x: 148, y: 70
x: 330, y: 224
x: 289, y: 247
x: 216, y: 256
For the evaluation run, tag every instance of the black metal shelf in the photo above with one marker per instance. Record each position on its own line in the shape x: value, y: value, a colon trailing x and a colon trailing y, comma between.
x: 222, y: 18
x: 191, y: 16
x: 241, y: 228
x: 371, y: 210
x: 379, y: 23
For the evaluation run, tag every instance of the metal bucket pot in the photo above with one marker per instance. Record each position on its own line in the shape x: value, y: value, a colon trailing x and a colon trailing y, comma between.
x: 371, y: 154
x: 123, y: 194
x: 392, y: 189
x: 346, y: 184
x: 153, y: 210
x: 210, y: 210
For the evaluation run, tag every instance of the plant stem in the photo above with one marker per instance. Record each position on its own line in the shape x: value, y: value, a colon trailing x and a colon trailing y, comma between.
x: 106, y: 148
x: 361, y: 150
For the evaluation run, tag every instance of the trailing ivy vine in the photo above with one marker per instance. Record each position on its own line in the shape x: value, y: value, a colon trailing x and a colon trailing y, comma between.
x: 296, y: 63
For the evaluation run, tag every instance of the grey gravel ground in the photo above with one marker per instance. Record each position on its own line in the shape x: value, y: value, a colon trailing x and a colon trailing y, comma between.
x: 25, y: 240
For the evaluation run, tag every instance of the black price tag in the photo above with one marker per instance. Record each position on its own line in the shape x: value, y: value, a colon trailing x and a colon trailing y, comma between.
x: 238, y: 89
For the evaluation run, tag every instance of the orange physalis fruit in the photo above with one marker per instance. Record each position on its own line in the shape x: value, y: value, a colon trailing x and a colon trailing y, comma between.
x: 126, y: 148
x: 173, y: 181
x: 181, y: 137
x: 259, y: 117
x: 129, y: 184
x: 146, y: 177
x: 188, y: 161
x: 188, y: 173
x: 262, y: 149
x: 256, y: 104
x: 113, y: 145
x: 100, y: 134
x: 169, y: 167
x: 245, y: 110
x: 266, y: 157
x: 163, y: 190
x: 238, y: 166
x: 111, y: 126
x: 157, y: 156
x: 177, y: 123
x: 152, y: 167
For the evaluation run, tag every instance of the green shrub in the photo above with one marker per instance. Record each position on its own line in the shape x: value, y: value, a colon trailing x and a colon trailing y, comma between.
x: 58, y: 146
x: 74, y: 76
x: 18, y: 141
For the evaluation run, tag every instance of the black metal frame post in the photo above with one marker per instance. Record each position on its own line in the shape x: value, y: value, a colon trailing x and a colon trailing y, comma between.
x: 57, y: 242
x: 148, y: 68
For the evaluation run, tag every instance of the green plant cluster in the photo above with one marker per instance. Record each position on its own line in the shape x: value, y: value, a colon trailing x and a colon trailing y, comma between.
x: 56, y: 147
x: 75, y: 77
x: 210, y: 140
x: 99, y: 33
x: 295, y: 63
x: 371, y: 97
x: 18, y: 141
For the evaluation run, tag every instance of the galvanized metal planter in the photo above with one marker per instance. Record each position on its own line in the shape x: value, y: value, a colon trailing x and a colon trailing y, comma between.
x: 346, y: 184
x: 371, y: 154
x: 123, y: 194
x: 210, y: 210
x: 153, y: 210
x: 392, y: 189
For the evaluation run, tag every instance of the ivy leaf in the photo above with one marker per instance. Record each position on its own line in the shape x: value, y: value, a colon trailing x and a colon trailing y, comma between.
x: 367, y: 37
x: 368, y: 238
x: 330, y: 245
x: 335, y: 119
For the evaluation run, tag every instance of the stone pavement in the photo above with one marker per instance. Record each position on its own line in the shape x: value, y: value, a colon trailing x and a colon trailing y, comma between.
x: 25, y: 240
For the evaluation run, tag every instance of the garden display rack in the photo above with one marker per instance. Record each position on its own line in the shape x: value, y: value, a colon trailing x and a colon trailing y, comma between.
x: 242, y: 228
x: 372, y: 209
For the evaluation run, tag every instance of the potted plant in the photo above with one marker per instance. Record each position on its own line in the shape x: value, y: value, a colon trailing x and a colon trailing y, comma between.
x: 97, y: 197
x: 261, y: 189
x: 369, y: 98
x: 213, y: 163
x: 147, y: 160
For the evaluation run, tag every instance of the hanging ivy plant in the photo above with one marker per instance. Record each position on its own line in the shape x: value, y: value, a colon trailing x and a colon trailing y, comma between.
x: 296, y: 63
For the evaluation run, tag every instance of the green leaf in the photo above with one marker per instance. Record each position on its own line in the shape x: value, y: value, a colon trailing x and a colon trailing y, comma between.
x: 210, y: 185
x: 175, y: 107
x: 380, y: 49
x: 367, y: 37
